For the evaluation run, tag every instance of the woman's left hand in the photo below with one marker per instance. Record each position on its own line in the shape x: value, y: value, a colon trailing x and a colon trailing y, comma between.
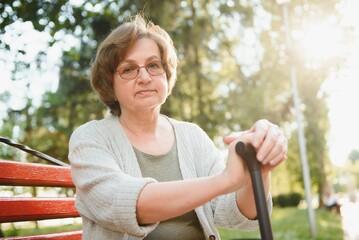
x: 269, y: 141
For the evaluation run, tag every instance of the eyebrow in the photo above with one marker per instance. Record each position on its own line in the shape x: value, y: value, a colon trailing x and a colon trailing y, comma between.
x: 153, y: 57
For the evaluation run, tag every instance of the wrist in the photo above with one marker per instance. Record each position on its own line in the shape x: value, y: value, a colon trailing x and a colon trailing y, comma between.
x: 226, y: 184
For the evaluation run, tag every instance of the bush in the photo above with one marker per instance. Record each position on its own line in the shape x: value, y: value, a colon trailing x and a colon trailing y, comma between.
x: 294, y: 199
x: 287, y: 200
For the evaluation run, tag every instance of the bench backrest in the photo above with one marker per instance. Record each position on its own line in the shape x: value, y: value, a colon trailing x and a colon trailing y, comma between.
x: 15, y: 209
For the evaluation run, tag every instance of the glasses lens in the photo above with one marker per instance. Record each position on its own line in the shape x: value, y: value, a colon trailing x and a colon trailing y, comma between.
x: 128, y: 71
x: 155, y: 68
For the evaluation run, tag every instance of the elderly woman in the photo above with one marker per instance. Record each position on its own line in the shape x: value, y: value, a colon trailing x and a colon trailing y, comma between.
x: 142, y: 175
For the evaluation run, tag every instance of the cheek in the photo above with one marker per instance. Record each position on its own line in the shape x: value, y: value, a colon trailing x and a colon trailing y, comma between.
x: 116, y: 88
x: 120, y: 90
x: 165, y: 84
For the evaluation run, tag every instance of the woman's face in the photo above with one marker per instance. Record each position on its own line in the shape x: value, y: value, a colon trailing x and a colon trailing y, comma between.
x: 144, y: 91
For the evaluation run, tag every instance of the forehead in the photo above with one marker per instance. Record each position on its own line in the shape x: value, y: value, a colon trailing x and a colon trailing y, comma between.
x: 142, y: 49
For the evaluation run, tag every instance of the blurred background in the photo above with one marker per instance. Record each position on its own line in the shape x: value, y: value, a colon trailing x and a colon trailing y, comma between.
x: 295, y: 63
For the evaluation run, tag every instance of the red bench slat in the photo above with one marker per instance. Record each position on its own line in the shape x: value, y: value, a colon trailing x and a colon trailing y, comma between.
x: 73, y: 235
x: 31, y: 174
x: 16, y: 209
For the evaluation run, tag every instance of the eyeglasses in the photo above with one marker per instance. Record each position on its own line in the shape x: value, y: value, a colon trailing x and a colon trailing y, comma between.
x: 131, y: 71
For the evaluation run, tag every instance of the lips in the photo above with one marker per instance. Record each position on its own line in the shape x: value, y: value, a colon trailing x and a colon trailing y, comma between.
x: 145, y: 91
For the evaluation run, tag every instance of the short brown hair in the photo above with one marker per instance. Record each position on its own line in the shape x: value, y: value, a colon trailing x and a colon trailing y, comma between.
x: 113, y: 49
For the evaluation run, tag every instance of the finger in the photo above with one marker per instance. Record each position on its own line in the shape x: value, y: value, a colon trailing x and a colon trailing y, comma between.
x: 268, y: 142
x: 277, y: 152
x: 269, y: 167
x: 259, y: 129
x: 278, y: 160
x: 233, y: 136
x: 274, y: 159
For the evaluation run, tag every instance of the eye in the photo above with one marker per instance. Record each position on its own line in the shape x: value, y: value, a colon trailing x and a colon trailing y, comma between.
x: 154, y: 65
x: 128, y: 69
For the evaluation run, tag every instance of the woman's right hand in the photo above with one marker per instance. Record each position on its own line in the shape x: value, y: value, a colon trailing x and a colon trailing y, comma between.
x: 235, y: 173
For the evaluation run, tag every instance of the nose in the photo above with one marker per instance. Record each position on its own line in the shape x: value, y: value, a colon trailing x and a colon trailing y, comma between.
x: 143, y: 75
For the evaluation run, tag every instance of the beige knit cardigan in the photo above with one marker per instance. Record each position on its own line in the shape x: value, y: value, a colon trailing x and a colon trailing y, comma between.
x: 108, y: 180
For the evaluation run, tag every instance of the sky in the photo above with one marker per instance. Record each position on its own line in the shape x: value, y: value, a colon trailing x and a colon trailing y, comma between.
x: 322, y: 41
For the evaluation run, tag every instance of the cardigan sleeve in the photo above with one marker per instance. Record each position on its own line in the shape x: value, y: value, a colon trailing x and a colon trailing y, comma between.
x: 104, y: 192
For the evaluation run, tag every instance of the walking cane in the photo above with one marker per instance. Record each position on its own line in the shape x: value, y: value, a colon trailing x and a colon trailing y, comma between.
x: 248, y: 153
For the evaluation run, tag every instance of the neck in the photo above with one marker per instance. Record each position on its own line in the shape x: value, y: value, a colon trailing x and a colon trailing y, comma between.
x: 152, y: 134
x: 143, y: 125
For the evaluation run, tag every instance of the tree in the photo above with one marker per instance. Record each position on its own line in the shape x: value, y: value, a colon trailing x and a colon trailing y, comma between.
x: 354, y: 155
x: 190, y: 26
x: 218, y: 86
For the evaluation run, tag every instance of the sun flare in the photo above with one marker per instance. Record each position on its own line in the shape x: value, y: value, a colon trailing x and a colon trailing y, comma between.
x: 334, y: 41
x: 320, y: 42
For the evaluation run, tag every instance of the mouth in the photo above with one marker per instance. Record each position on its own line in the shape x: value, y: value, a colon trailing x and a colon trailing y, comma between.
x: 145, y: 92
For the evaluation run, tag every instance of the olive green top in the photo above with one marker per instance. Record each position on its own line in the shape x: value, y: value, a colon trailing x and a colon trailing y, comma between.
x: 166, y: 168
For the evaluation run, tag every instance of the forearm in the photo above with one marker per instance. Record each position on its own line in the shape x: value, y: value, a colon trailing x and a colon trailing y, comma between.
x: 164, y: 200
x: 246, y: 200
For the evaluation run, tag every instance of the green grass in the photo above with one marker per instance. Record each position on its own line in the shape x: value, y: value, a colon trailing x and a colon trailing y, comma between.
x: 293, y: 224
x: 287, y: 224
x: 44, y: 230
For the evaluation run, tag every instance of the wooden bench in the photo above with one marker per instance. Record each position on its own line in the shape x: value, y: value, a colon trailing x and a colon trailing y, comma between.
x: 16, y: 209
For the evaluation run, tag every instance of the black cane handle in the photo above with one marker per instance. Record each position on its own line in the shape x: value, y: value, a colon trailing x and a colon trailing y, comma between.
x: 248, y: 153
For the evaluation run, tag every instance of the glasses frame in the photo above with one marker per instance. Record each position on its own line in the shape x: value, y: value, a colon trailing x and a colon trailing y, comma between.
x: 139, y: 67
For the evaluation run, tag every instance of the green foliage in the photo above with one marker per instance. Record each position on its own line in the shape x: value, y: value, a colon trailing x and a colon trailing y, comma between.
x: 216, y: 88
x: 287, y: 200
x: 351, y: 173
x: 354, y: 156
